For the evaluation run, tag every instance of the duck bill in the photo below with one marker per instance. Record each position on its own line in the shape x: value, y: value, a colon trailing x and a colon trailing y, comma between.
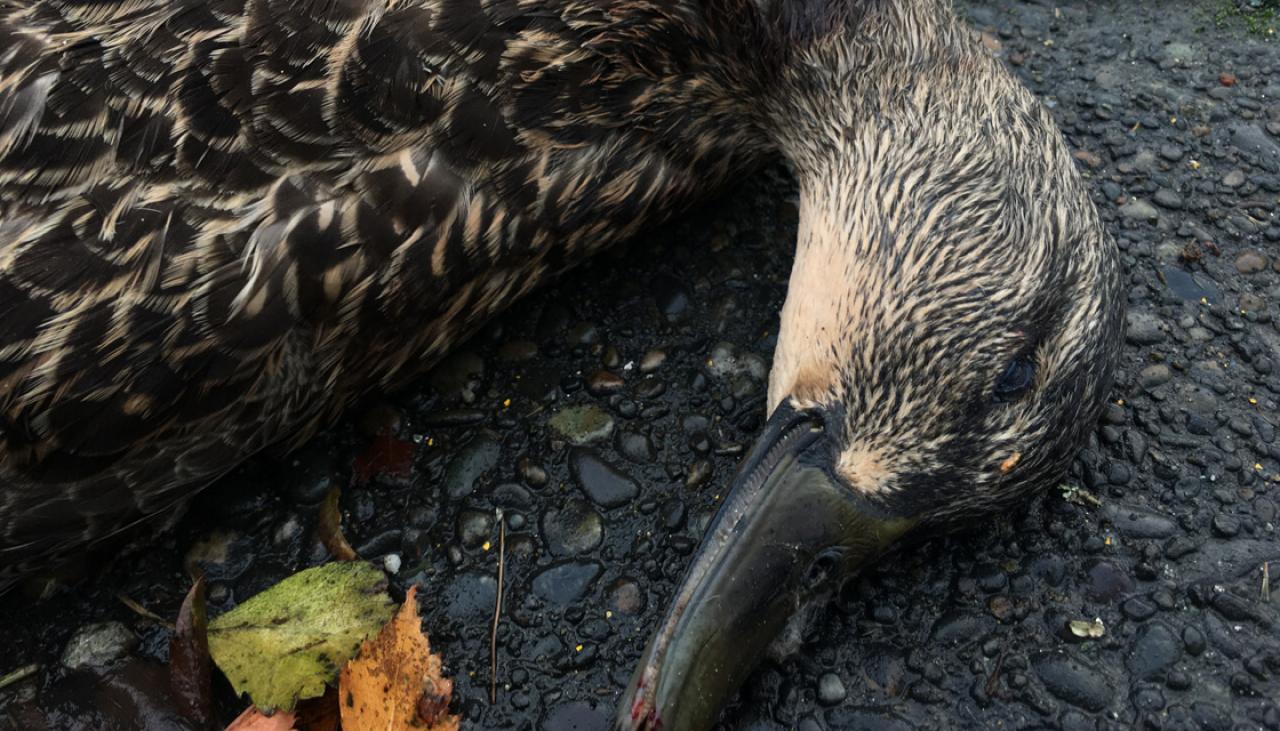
x: 787, y: 527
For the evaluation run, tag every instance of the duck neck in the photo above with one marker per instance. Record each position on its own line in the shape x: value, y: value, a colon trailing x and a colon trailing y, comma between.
x: 888, y: 60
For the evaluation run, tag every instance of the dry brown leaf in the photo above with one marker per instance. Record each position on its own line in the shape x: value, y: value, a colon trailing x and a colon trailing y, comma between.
x: 329, y: 528
x: 190, y: 669
x: 394, y: 684
x: 254, y: 720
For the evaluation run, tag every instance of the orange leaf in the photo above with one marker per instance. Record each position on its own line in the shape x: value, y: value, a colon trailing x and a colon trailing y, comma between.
x: 394, y: 684
x: 329, y: 528
x: 253, y: 720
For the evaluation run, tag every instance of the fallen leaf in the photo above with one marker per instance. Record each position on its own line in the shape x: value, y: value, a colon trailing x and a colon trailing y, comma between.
x: 329, y: 528
x: 395, y: 682
x: 289, y: 641
x: 189, y: 671
x: 254, y: 720
x: 1085, y: 628
x: 386, y: 455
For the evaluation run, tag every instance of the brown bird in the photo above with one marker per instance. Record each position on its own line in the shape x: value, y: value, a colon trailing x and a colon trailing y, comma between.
x: 222, y: 221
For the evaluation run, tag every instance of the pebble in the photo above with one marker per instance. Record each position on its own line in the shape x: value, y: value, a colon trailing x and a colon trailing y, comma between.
x: 391, y: 562
x: 582, y: 424
x: 1073, y: 680
x: 1137, y: 523
x: 1139, y: 210
x: 533, y: 474
x: 606, y: 485
x: 603, y: 383
x: 831, y: 689
x: 96, y: 646
x: 1168, y: 199
x: 1226, y: 526
x: 727, y: 360
x: 572, y: 529
x: 1251, y: 262
x: 474, y: 527
x: 1143, y: 329
x: 1155, y: 649
x: 699, y: 473
x: 565, y: 583
x: 470, y: 596
x: 1193, y: 640
x: 626, y: 597
x: 1138, y: 608
x: 652, y: 361
x: 635, y: 447
x: 472, y: 461
x: 959, y: 627
x: 1154, y: 375
x: 1108, y: 581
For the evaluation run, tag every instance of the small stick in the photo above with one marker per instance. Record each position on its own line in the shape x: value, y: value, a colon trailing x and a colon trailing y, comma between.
x: 18, y: 675
x: 1266, y: 581
x: 497, y: 611
x: 144, y: 612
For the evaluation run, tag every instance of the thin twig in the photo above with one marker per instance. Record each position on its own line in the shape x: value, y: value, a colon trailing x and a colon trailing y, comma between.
x: 18, y: 675
x: 1266, y: 581
x: 144, y: 612
x: 993, y: 684
x: 497, y: 610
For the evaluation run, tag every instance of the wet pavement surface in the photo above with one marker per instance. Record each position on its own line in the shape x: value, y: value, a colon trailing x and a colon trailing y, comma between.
x: 605, y: 415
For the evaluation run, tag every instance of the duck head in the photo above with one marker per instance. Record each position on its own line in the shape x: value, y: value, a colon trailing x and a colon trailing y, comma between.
x: 950, y: 329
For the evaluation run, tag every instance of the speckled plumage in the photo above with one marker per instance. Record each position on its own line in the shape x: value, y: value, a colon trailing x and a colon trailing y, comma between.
x: 224, y: 220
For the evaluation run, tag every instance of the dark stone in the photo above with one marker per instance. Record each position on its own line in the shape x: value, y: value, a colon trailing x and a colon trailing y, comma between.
x: 1073, y: 680
x: 606, y: 485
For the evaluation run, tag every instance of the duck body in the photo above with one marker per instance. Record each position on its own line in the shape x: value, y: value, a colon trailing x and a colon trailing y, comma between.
x: 223, y: 221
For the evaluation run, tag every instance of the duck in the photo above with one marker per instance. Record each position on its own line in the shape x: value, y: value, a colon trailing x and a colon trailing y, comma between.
x: 225, y: 221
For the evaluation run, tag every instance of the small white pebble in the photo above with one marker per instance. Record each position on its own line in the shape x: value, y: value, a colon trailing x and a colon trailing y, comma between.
x: 391, y: 562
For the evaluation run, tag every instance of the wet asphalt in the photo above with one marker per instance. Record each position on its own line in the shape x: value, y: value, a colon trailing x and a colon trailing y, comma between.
x: 605, y: 415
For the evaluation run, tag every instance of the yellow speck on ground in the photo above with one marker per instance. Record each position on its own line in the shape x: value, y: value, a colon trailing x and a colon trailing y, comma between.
x: 1253, y: 401
x: 486, y: 545
x: 506, y: 403
x: 608, y: 614
x: 1195, y: 164
x: 578, y: 648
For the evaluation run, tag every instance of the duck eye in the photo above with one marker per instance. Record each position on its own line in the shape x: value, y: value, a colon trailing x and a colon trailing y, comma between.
x: 1016, y: 379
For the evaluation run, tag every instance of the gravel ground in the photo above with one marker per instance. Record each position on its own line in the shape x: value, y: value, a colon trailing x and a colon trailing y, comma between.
x: 606, y: 414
